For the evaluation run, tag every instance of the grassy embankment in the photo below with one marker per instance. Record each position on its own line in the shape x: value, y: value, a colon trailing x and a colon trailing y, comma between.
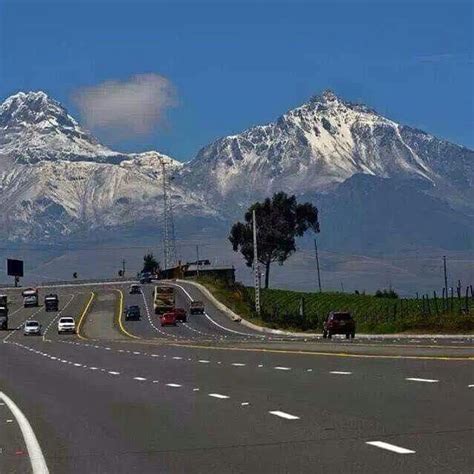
x: 282, y: 309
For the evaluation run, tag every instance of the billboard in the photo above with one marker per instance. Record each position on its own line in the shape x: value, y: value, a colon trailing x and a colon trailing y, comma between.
x: 14, y: 267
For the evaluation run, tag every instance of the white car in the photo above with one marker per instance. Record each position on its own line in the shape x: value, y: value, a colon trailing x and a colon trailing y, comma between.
x: 32, y: 328
x: 66, y: 324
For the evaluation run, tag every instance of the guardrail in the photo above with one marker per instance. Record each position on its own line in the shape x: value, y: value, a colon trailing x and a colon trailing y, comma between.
x: 90, y: 281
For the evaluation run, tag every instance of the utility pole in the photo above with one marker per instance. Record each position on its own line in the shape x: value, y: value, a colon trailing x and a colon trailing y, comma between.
x: 445, y: 280
x: 197, y: 260
x: 169, y: 238
x: 256, y: 268
x: 317, y: 265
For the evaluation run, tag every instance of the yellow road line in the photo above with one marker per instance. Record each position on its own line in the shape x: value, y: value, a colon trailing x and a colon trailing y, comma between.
x: 328, y: 354
x: 83, y: 315
x: 119, y: 317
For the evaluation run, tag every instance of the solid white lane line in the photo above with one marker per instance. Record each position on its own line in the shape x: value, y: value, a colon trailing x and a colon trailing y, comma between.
x: 38, y: 463
x: 218, y: 395
x: 340, y: 372
x: 282, y: 368
x: 282, y: 414
x: 390, y: 447
x: 238, y: 364
x: 414, y: 379
x: 174, y: 385
x: 141, y: 379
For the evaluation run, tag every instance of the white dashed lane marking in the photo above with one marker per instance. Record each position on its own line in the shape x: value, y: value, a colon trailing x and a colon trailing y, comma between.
x: 282, y: 368
x: 173, y: 385
x: 340, y: 372
x: 282, y: 414
x: 111, y: 372
x: 140, y: 379
x: 218, y: 395
x: 414, y: 379
x: 390, y: 447
x: 238, y: 364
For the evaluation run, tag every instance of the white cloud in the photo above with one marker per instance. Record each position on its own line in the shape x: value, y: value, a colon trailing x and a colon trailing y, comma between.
x: 127, y: 108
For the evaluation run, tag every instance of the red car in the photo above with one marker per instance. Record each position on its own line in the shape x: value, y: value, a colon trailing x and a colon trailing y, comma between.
x: 180, y: 314
x: 339, y: 322
x: 168, y: 319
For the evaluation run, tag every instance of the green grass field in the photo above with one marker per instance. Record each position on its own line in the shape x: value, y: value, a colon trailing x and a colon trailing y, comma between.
x: 283, y: 309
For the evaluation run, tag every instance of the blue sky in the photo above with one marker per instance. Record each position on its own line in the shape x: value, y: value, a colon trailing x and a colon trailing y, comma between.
x: 238, y: 64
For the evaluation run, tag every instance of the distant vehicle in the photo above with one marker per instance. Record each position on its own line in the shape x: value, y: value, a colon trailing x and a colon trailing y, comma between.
x: 163, y: 299
x: 51, y: 302
x: 132, y: 312
x: 135, y: 289
x: 32, y: 328
x: 339, y: 322
x: 145, y: 277
x: 66, y: 324
x: 168, y: 319
x: 3, y: 317
x: 30, y: 297
x: 4, y: 301
x: 196, y: 307
x: 181, y: 314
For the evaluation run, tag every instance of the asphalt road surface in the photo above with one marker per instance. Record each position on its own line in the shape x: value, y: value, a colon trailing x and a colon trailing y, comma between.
x: 213, y: 396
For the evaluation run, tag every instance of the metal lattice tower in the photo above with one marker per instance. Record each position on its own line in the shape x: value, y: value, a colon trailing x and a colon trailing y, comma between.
x: 169, y: 237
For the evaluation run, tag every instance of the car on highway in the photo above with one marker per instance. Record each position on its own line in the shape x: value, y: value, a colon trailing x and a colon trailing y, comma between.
x: 168, y: 319
x: 51, y: 302
x: 135, y: 289
x: 66, y: 324
x: 132, y: 312
x: 181, y: 314
x: 32, y: 328
x: 3, y: 317
x: 196, y: 307
x: 30, y: 297
x: 145, y: 277
x: 339, y: 322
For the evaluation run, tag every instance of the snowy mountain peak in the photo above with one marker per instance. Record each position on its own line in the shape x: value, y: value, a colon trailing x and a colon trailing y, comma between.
x: 32, y: 107
x: 318, y: 145
x: 37, y: 128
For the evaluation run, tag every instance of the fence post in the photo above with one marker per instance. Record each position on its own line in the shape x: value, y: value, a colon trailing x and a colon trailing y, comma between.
x: 435, y: 303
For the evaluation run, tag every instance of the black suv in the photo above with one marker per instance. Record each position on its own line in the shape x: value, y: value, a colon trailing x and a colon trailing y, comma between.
x: 339, y: 322
x: 132, y: 312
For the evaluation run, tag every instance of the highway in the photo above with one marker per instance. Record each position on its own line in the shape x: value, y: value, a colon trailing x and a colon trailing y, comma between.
x: 214, y: 396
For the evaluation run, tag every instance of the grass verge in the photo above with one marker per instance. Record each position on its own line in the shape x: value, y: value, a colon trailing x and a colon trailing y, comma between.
x: 300, y: 311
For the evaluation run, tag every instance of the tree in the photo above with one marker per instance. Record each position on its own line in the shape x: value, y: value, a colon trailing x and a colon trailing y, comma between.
x: 280, y: 220
x: 150, y: 264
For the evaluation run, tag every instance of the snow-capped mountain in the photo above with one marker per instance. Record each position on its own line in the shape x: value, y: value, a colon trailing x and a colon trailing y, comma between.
x: 36, y: 128
x: 320, y: 144
x: 57, y: 180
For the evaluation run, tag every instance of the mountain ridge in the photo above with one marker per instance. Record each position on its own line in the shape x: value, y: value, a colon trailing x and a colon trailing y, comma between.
x: 58, y: 180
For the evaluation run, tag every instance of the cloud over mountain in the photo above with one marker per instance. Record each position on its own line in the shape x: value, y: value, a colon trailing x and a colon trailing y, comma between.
x: 127, y: 108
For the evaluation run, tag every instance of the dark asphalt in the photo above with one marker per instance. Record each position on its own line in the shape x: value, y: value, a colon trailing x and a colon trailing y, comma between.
x: 199, y: 397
